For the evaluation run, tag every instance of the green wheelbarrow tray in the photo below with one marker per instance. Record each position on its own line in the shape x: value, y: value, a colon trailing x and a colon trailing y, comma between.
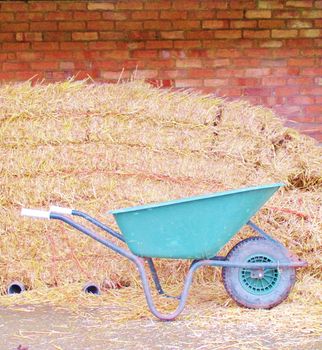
x: 191, y: 228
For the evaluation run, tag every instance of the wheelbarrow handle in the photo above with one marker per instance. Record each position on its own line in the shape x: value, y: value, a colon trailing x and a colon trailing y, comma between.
x: 60, y: 210
x: 35, y: 213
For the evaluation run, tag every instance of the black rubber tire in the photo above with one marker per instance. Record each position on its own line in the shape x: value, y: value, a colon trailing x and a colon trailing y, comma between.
x: 242, y: 253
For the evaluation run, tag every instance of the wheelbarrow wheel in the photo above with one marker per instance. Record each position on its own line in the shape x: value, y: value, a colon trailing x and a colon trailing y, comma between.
x: 260, y: 288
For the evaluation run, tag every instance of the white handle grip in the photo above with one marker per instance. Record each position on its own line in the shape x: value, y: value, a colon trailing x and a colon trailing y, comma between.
x: 34, y: 213
x: 60, y: 210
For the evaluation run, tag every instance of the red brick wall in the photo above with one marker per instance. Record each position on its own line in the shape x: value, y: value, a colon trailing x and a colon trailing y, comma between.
x: 268, y: 52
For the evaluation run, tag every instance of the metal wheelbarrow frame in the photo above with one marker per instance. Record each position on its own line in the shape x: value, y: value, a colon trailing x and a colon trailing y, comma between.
x: 258, y: 269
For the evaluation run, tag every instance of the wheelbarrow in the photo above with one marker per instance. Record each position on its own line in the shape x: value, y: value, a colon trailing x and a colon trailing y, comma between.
x: 258, y: 272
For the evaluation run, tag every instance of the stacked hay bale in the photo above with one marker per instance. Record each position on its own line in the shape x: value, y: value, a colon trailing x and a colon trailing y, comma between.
x: 100, y: 147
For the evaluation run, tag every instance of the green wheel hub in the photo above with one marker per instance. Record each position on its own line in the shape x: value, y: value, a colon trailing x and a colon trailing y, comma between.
x: 259, y: 281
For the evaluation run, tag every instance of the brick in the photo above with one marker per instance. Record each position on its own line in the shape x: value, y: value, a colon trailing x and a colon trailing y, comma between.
x: 14, y: 6
x: 113, y: 35
x: 271, y: 44
x: 312, y: 52
x: 187, y: 83
x: 300, y: 100
x: 186, y: 4
x: 256, y: 34
x: 45, y: 46
x: 286, y: 14
x: 71, y: 26
x: 189, y: 63
x: 228, y: 34
x: 315, y: 91
x: 58, y: 16
x: 228, y: 53
x: 198, y: 53
x: 100, y: 25
x: 258, y: 14
x: 86, y: 15
x: 102, y: 45
x: 300, y: 42
x: 84, y: 36
x: 14, y: 27
x: 200, y: 34
x: 257, y: 91
x: 214, y: 4
x: 271, y: 23
x: 200, y: 73
x: 299, y: 3
x: 157, y: 5
x: 257, y: 72
x: 44, y: 65
x: 144, y: 54
x: 271, y: 4
x: 7, y: 17
x: 128, y: 25
x: 29, y: 36
x: 312, y: 14
x: 29, y: 16
x: 310, y: 33
x: 159, y: 44
x: 7, y: 75
x: 287, y: 71
x: 7, y: 37
x: 43, y: 26
x: 299, y: 80
x: 273, y: 81
x: 301, y: 62
x: 215, y: 82
x: 57, y: 36
x: 215, y: 24
x: 287, y: 33
x: 15, y: 46
x: 201, y: 14
x: 144, y: 15
x: 317, y: 109
x: 242, y: 4
x: 129, y: 5
x: 273, y: 63
x: 220, y: 62
x: 257, y: 52
x: 229, y: 73
x: 14, y: 66
x: 100, y: 6
x: 246, y: 62
x: 249, y: 82
x: 161, y: 64
x: 296, y: 23
x: 70, y: 5
x: 318, y: 4
x: 173, y: 15
x: 178, y: 34
x: 286, y: 91
x: 58, y: 55
x: 116, y: 54
x: 116, y: 75
x: 116, y: 16
x: 318, y: 23
x: 187, y: 44
x: 230, y: 14
x: 142, y: 35
x: 243, y: 24
x: 187, y: 25
x: 231, y: 92
x: 284, y: 52
x: 158, y: 25
x: 146, y: 74
x: 42, y: 6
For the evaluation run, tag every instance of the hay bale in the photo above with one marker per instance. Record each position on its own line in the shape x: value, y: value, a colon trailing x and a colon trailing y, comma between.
x: 100, y: 147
